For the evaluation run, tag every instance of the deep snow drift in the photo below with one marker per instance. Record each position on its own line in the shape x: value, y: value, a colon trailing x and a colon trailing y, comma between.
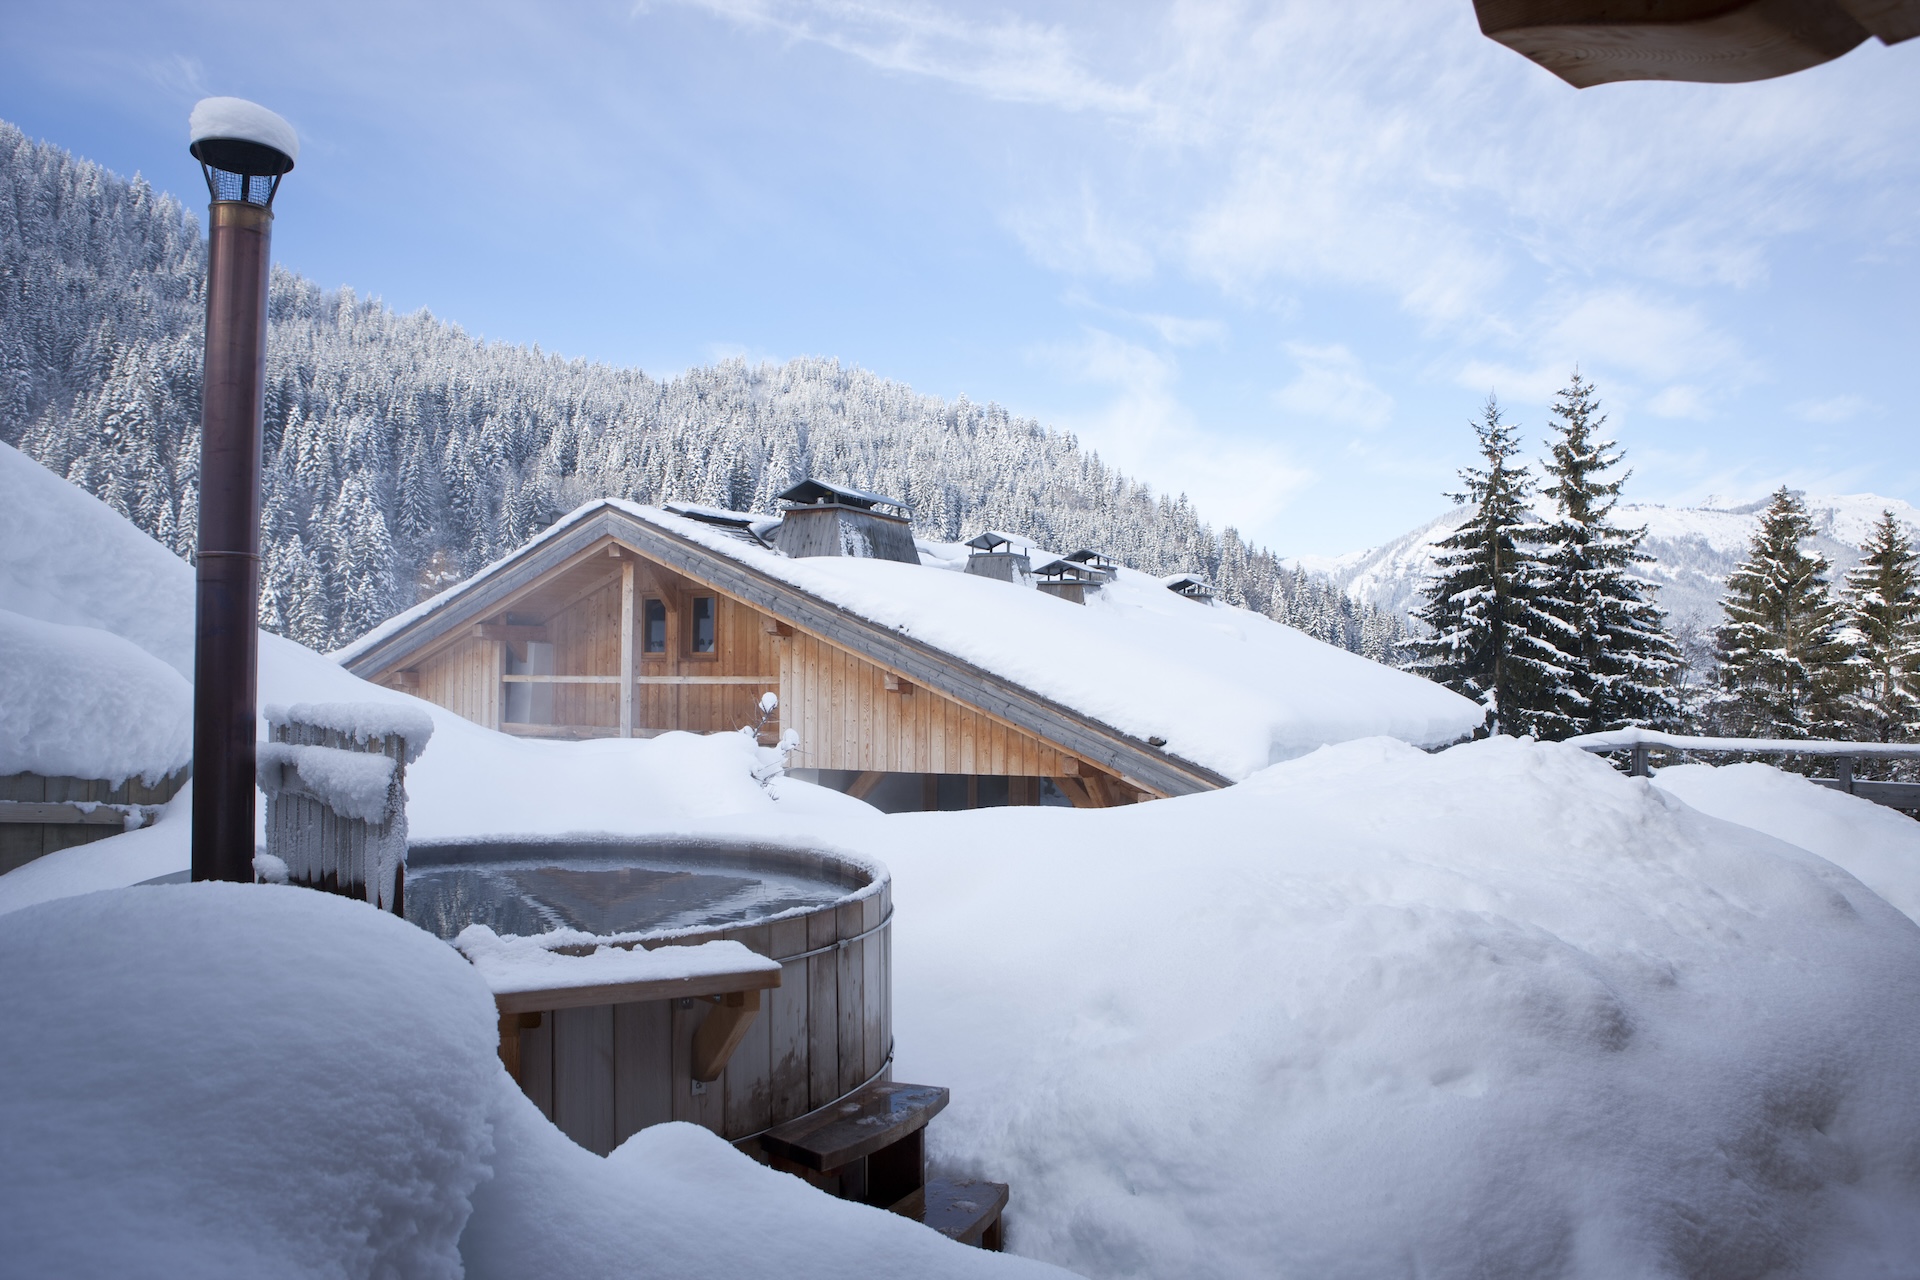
x: 214, y: 1087
x: 1499, y: 1011
x: 1878, y: 845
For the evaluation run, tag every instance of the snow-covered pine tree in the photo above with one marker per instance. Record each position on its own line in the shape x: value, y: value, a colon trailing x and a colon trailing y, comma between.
x: 1883, y: 605
x: 1626, y: 660
x: 1786, y: 667
x: 1489, y: 639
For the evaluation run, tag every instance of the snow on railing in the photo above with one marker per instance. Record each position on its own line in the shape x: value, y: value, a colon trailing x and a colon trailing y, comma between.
x: 1625, y: 739
x: 335, y: 779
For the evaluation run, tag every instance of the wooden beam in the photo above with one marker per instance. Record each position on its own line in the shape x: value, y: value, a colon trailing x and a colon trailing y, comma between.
x: 895, y: 684
x: 775, y: 627
x: 1076, y: 791
x: 712, y: 984
x: 72, y: 815
x: 864, y: 784
x: 405, y: 681
x: 769, y: 681
x: 626, y: 648
x: 561, y: 680
x: 721, y: 1032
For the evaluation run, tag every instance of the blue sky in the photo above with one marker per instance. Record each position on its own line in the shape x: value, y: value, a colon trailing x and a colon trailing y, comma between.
x: 1273, y: 256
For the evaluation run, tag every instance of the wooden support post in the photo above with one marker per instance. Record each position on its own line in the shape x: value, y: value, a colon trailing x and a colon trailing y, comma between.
x: 626, y: 648
x: 1077, y: 792
x: 511, y: 1025
x: 721, y: 1033
x: 1638, y: 768
x: 1843, y: 770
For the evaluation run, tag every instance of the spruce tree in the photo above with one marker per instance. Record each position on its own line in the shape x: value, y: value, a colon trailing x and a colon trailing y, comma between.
x: 1883, y: 605
x: 1490, y: 640
x: 1626, y: 660
x: 1785, y: 664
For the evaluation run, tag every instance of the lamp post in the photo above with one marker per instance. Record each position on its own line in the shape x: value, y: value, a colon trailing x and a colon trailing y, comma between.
x: 244, y: 150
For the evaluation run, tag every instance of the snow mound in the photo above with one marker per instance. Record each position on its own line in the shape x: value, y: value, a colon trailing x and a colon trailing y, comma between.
x: 83, y: 703
x: 67, y: 557
x: 214, y: 1087
x: 1877, y: 845
x: 354, y: 784
x: 1495, y: 1011
x: 361, y: 721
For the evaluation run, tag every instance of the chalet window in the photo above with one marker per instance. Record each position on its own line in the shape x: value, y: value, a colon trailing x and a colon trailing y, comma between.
x: 653, y: 626
x: 702, y: 635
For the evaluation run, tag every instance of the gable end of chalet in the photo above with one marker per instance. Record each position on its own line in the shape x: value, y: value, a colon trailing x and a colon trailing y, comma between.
x: 610, y: 625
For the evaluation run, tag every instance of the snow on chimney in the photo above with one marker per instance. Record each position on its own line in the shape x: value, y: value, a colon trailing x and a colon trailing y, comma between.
x: 828, y: 520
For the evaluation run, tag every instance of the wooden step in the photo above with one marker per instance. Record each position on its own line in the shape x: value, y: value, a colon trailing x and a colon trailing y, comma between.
x: 878, y: 1116
x: 959, y: 1210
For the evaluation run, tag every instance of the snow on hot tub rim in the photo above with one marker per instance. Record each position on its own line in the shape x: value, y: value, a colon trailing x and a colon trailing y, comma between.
x: 845, y: 863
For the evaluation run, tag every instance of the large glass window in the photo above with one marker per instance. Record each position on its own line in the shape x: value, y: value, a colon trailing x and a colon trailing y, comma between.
x: 653, y: 626
x: 703, y: 624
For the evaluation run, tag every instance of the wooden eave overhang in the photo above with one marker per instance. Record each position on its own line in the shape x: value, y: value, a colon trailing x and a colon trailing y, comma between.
x: 925, y: 665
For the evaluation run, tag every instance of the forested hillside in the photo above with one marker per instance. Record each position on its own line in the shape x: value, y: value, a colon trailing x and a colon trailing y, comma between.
x: 402, y: 454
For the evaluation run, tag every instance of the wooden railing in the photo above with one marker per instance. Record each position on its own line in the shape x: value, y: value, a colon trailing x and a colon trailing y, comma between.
x: 1640, y: 743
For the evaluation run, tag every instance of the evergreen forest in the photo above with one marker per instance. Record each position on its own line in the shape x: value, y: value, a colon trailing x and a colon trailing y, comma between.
x: 402, y: 454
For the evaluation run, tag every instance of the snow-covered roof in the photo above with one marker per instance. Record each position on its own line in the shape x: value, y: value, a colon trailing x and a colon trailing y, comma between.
x: 1229, y: 691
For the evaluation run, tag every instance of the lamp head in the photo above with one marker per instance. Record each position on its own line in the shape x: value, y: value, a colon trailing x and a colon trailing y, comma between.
x: 243, y: 149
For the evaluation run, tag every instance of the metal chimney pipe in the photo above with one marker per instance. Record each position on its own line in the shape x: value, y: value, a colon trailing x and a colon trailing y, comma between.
x: 243, y: 150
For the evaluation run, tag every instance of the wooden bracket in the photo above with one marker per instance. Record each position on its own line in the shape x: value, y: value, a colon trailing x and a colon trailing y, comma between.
x: 775, y: 627
x: 511, y: 1025
x: 721, y: 1032
x: 895, y: 684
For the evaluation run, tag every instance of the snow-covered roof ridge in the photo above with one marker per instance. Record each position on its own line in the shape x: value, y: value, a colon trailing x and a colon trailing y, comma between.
x: 1227, y: 691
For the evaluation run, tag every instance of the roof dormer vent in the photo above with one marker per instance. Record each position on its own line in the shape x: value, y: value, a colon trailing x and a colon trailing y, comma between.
x: 1068, y: 580
x: 1190, y: 585
x: 829, y: 520
x: 1094, y: 563
x: 993, y: 556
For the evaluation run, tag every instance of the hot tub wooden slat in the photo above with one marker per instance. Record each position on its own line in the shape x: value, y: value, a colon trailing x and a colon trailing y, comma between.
x: 871, y: 1034
x: 536, y: 1065
x: 852, y: 1011
x: 747, y: 1078
x: 583, y: 1076
x: 786, y: 1016
x: 642, y: 1067
x: 823, y: 1016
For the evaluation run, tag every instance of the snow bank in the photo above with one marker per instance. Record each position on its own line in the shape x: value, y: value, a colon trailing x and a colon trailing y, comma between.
x: 1877, y: 845
x: 529, y: 964
x: 312, y: 1123
x: 67, y: 557
x: 212, y: 1087
x: 84, y: 703
x: 1496, y: 1011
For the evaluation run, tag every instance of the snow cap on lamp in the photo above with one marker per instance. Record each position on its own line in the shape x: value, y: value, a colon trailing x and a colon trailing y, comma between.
x: 243, y: 148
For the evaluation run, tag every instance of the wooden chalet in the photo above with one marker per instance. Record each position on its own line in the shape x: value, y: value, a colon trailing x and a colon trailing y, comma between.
x: 628, y: 621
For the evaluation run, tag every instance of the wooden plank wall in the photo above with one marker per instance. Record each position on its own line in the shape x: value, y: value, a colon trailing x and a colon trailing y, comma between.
x: 848, y: 719
x: 465, y: 679
x: 586, y: 642
x: 742, y: 646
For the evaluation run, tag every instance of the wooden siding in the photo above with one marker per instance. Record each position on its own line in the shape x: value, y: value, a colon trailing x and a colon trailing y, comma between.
x: 848, y: 719
x: 464, y: 678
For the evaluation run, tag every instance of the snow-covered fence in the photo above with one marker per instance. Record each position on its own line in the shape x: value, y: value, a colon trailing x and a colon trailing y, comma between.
x: 1640, y: 743
x: 335, y: 778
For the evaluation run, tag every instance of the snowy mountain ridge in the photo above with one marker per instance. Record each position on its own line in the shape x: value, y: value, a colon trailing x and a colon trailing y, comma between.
x: 1693, y: 550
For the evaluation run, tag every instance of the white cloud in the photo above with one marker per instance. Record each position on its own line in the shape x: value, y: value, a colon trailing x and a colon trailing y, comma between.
x: 1679, y: 401
x: 1833, y: 409
x: 1332, y: 387
x: 1146, y: 431
x: 1075, y: 237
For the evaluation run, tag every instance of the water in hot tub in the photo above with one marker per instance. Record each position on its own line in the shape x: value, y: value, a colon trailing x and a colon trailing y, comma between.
x: 595, y: 896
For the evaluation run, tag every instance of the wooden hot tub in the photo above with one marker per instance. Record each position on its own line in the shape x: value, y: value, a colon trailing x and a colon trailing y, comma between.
x: 604, y: 1062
